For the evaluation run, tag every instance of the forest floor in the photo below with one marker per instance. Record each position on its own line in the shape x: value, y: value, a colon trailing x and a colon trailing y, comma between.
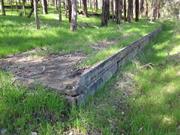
x: 18, y: 34
x: 143, y: 98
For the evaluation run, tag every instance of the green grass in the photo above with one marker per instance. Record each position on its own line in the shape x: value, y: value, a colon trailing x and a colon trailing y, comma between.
x: 18, y: 34
x: 156, y: 108
x: 153, y: 108
x: 23, y: 111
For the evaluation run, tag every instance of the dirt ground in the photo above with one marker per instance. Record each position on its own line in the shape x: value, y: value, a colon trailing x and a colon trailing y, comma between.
x: 53, y: 71
x: 57, y: 72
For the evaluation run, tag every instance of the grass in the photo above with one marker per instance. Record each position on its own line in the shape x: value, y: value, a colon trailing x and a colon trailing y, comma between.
x: 23, y: 111
x: 152, y: 108
x: 156, y: 108
x: 18, y: 34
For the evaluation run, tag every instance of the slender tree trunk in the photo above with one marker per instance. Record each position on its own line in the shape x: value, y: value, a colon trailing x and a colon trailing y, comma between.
x: 55, y: 4
x: 105, y: 13
x: 125, y: 18
x: 44, y: 6
x: 36, y: 14
x: 17, y: 6
x: 118, y: 11
x: 74, y: 15
x: 130, y: 10
x: 147, y: 9
x: 85, y: 8
x: 59, y: 10
x: 96, y: 5
x: 32, y: 9
x: 112, y: 9
x: 66, y: 8
x: 137, y: 10
x: 90, y: 4
x: 69, y: 9
x: 23, y: 7
x: 158, y: 9
x: 121, y: 8
x: 154, y: 10
x: 142, y: 6
x: 2, y: 7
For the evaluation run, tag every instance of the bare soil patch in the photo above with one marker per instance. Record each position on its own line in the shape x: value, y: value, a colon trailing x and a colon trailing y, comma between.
x: 57, y: 72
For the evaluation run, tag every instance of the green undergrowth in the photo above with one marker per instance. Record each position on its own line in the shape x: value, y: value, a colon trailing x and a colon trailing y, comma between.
x: 153, y: 105
x: 19, y: 34
x: 150, y: 108
x: 23, y: 111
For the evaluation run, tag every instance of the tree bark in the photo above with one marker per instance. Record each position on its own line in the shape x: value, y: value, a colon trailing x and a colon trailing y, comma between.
x: 2, y: 7
x: 74, y: 15
x: 125, y: 17
x: 142, y: 6
x: 85, y: 8
x: 112, y: 9
x: 130, y: 10
x: 118, y: 11
x: 36, y: 14
x: 69, y: 9
x: 96, y: 5
x: 23, y: 7
x: 32, y: 9
x: 105, y: 13
x: 154, y: 10
x: 137, y: 10
x: 59, y: 10
x: 44, y: 6
x: 147, y: 9
x: 158, y: 9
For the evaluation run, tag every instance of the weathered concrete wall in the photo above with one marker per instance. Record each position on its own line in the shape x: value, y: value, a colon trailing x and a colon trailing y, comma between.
x: 97, y: 76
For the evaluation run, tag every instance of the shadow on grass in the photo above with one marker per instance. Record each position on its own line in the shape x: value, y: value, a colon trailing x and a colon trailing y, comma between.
x: 155, y: 109
x: 18, y: 34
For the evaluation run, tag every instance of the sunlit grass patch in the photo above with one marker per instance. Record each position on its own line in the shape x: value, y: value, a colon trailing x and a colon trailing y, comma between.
x: 19, y: 34
x: 23, y: 111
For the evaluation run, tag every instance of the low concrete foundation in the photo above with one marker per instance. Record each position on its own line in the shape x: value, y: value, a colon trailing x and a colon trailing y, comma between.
x: 94, y: 78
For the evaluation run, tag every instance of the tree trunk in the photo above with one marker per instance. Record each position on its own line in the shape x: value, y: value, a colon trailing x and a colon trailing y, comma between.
x: 69, y: 9
x: 59, y: 10
x: 66, y: 8
x: 96, y: 5
x: 112, y: 9
x: 118, y: 11
x: 2, y: 7
x: 154, y: 10
x: 36, y: 14
x: 74, y: 15
x: 105, y: 13
x: 90, y: 5
x: 44, y: 6
x: 32, y: 9
x: 147, y: 9
x: 85, y: 8
x: 130, y: 10
x: 137, y: 10
x: 125, y: 18
x: 23, y: 7
x: 55, y: 4
x: 158, y: 9
x: 142, y: 6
